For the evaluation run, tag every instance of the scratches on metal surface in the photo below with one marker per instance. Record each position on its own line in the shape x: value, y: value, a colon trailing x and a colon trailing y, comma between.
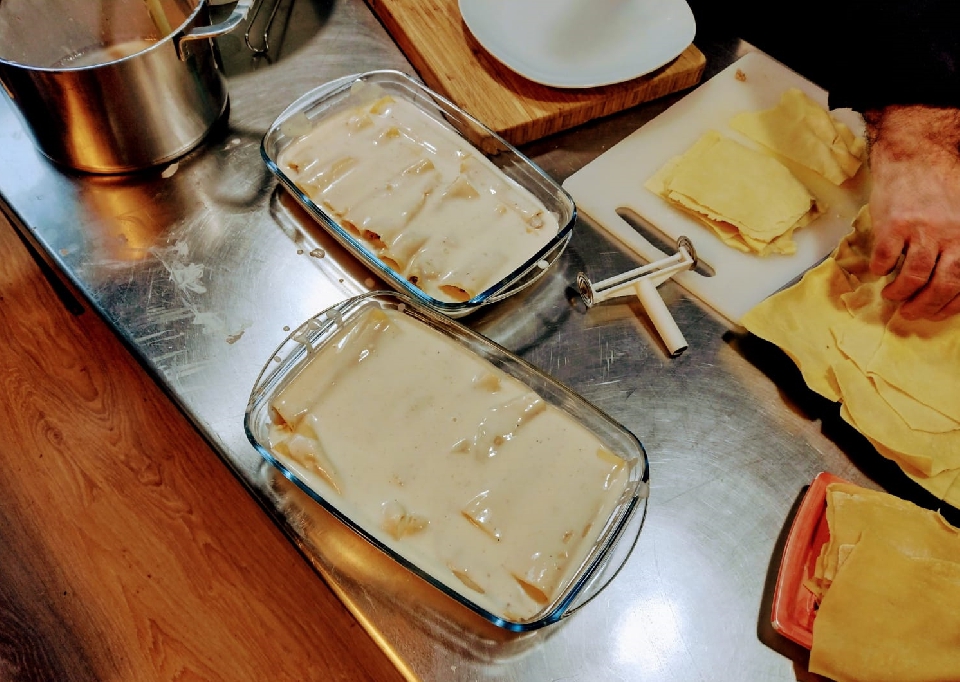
x: 689, y: 490
x: 155, y: 336
x: 184, y: 274
x: 191, y: 368
x: 163, y: 316
x: 187, y: 278
x: 160, y: 359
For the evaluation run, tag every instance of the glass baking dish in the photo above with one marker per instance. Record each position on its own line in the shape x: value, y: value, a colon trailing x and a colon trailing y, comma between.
x: 597, y: 563
x: 327, y: 100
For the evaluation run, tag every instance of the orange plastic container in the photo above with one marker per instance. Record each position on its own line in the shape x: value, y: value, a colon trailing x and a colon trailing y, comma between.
x: 794, y: 606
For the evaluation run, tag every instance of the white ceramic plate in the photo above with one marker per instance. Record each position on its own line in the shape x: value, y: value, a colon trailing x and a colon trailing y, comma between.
x: 580, y: 43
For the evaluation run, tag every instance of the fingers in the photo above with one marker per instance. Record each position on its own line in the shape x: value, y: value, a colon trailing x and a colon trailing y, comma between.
x: 948, y: 310
x: 941, y: 294
x: 916, y: 271
x: 886, y: 253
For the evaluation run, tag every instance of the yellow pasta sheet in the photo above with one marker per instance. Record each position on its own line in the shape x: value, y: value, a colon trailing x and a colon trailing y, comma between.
x: 749, y: 199
x: 889, y: 617
x: 803, y: 131
x: 888, y: 586
x: 853, y: 510
x: 898, y: 381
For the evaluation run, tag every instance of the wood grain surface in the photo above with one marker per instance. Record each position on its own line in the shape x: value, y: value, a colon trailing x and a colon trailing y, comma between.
x: 128, y: 550
x: 449, y: 59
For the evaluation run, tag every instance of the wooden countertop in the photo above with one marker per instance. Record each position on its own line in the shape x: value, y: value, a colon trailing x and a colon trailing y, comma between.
x: 128, y: 550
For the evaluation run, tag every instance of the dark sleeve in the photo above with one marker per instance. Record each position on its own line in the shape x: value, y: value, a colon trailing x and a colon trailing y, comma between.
x: 865, y: 54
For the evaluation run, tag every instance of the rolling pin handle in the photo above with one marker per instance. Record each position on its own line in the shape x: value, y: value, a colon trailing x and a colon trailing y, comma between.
x: 643, y: 283
x: 662, y: 319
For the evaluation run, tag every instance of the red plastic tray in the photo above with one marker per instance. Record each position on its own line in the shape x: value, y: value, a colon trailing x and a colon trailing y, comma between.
x: 794, y: 606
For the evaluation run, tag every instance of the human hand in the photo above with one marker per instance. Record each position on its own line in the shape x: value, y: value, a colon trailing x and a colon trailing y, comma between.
x: 915, y: 207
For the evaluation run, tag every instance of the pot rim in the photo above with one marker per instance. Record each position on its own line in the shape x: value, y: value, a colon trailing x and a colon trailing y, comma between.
x: 175, y: 37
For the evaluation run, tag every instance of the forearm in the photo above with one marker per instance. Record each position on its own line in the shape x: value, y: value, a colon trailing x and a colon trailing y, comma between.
x: 899, y: 132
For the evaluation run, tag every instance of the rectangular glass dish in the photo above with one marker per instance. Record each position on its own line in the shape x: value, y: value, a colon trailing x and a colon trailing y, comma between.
x: 347, y: 121
x: 469, y: 467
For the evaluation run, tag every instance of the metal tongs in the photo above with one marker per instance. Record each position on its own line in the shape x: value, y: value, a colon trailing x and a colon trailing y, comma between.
x: 264, y: 46
x: 642, y: 282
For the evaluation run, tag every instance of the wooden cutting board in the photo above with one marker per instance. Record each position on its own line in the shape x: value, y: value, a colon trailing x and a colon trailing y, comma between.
x: 612, y: 185
x: 451, y: 61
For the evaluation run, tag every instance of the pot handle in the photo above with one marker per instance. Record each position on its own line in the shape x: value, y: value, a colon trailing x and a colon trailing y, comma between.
x: 204, y: 32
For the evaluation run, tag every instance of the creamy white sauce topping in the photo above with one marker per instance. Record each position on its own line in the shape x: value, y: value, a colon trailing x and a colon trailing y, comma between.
x: 452, y: 463
x: 431, y: 206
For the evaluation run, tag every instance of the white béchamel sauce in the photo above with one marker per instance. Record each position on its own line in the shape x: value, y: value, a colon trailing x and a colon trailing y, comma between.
x: 426, y: 202
x: 455, y: 465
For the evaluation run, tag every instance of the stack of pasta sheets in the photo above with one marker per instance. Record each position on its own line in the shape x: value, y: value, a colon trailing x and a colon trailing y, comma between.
x: 888, y: 586
x: 746, y: 195
x: 749, y: 199
x: 897, y: 380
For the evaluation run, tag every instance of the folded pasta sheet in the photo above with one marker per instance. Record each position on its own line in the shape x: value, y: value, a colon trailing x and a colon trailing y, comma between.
x: 908, y: 528
x: 452, y: 463
x: 801, y: 130
x: 749, y: 199
x: 424, y: 201
x: 897, y: 380
x: 888, y: 584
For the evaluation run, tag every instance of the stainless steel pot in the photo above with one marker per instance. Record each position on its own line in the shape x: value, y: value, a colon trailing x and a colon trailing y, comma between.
x: 111, y: 86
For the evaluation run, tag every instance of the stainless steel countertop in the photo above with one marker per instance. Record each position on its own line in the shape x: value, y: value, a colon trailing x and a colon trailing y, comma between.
x: 203, y: 272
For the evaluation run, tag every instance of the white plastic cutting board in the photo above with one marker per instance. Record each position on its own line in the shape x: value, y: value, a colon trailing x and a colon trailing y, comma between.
x: 615, y: 180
